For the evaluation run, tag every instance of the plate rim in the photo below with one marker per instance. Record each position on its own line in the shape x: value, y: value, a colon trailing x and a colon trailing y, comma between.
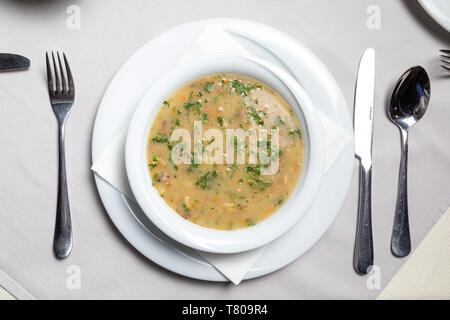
x: 433, y: 11
x: 255, y: 271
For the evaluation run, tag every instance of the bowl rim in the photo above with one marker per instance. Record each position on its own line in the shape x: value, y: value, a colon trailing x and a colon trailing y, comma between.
x: 191, y: 234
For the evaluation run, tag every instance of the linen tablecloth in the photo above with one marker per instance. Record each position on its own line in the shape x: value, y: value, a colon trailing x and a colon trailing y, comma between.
x: 426, y: 274
x: 5, y: 295
x: 109, y: 32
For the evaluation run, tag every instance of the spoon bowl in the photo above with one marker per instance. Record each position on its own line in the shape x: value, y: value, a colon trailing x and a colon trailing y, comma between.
x: 408, y: 104
x: 410, y: 98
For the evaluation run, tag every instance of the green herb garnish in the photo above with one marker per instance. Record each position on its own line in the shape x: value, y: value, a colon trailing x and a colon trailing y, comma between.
x: 278, y: 121
x: 160, y: 139
x: 154, y: 162
x: 255, y: 179
x: 205, y: 181
x: 297, y: 132
x: 185, y: 207
x: 193, y: 105
x: 204, y: 118
x: 155, y: 177
x: 244, y: 89
x: 208, y: 86
x: 256, y: 115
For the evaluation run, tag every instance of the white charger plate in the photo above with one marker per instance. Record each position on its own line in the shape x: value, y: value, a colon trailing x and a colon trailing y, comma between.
x: 146, y: 66
x: 439, y: 10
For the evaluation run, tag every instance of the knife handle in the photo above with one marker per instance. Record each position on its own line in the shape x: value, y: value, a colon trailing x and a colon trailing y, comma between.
x: 363, y: 252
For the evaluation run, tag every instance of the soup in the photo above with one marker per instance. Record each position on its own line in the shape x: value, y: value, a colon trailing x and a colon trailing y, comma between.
x: 226, y: 195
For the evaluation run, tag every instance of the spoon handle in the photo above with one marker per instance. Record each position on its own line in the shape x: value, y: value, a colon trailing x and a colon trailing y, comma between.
x: 401, y: 241
x: 363, y: 252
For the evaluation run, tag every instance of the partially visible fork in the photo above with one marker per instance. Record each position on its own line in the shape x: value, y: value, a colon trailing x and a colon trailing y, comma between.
x: 62, y: 95
x: 445, y: 54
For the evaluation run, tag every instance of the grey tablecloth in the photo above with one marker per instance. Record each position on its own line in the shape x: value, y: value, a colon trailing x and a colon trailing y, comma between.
x: 111, y: 30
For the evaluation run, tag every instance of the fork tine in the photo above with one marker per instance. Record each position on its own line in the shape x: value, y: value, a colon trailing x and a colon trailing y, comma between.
x: 51, y: 87
x: 446, y: 62
x: 445, y: 54
x: 57, y: 78
x: 69, y: 75
x: 61, y: 72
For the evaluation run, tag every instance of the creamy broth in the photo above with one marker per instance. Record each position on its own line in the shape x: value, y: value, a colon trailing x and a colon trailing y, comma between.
x: 225, y: 196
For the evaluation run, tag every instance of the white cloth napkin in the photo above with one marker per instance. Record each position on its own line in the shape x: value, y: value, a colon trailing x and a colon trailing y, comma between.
x: 110, y: 165
x: 425, y: 275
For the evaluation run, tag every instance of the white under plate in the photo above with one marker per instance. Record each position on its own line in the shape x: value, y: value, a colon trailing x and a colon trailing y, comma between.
x: 147, y: 65
x: 439, y: 10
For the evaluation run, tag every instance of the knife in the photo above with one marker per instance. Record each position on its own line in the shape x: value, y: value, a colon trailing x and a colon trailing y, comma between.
x: 363, y: 128
x: 13, y: 62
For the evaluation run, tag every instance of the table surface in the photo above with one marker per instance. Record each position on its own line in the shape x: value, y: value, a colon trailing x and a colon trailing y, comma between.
x: 111, y: 30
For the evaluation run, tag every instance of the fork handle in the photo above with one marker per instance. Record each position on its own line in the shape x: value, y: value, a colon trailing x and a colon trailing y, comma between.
x: 363, y: 251
x: 62, y: 242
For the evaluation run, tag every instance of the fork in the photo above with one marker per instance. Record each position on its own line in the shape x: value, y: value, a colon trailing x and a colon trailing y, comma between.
x: 445, y: 54
x: 62, y: 95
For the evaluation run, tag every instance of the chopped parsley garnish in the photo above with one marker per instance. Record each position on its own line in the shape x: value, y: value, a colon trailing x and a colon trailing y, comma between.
x: 160, y: 139
x: 255, y: 179
x: 154, y: 162
x: 204, y: 117
x: 192, y: 165
x: 250, y: 222
x: 220, y: 120
x: 193, y: 105
x: 244, y: 89
x: 185, y: 207
x: 278, y: 121
x: 297, y: 132
x: 208, y: 86
x: 155, y: 177
x: 256, y: 115
x: 232, y: 169
x: 167, y: 104
x: 206, y: 180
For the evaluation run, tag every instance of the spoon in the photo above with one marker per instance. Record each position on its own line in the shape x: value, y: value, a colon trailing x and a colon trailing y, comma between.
x: 408, y: 104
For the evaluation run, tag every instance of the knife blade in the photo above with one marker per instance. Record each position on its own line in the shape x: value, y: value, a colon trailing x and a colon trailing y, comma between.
x: 363, y: 131
x: 363, y: 115
x: 13, y: 62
